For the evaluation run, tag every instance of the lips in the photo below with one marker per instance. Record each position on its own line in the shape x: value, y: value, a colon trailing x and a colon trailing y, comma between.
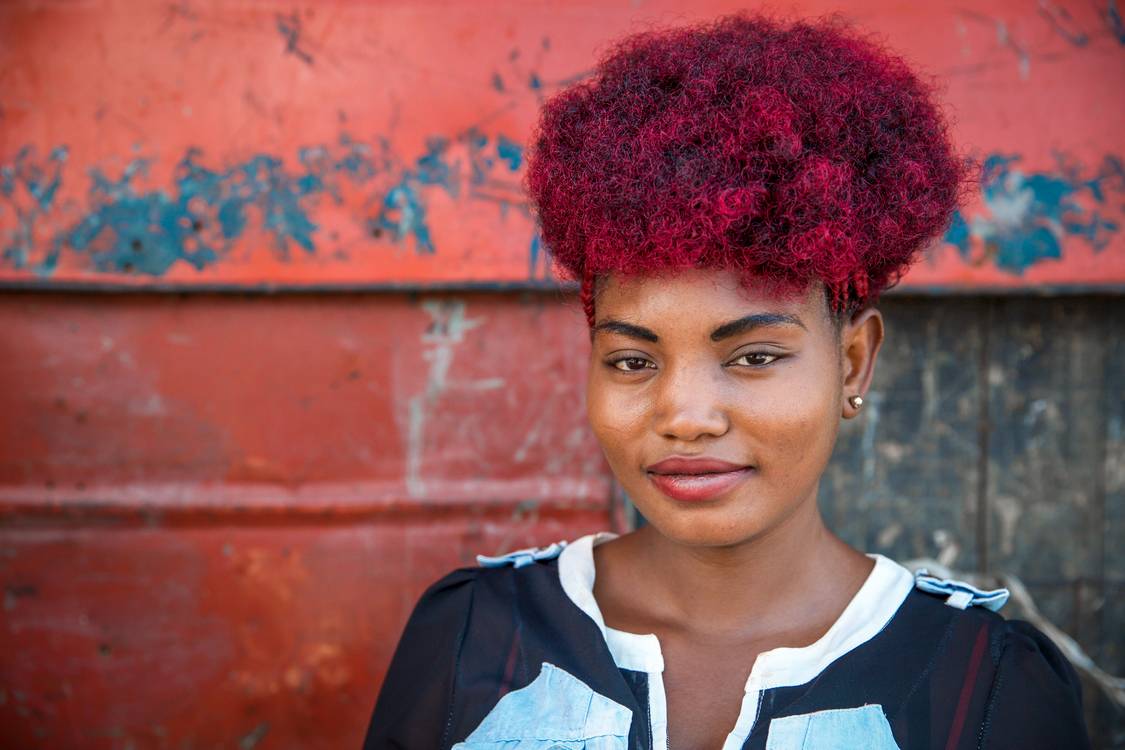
x: 696, y: 479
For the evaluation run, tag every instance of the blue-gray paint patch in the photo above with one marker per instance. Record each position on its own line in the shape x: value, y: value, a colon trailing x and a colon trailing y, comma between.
x: 403, y: 212
x: 533, y: 255
x: 1114, y: 22
x: 200, y: 217
x: 130, y: 230
x: 29, y: 187
x: 480, y: 163
x: 1031, y: 214
x: 510, y: 152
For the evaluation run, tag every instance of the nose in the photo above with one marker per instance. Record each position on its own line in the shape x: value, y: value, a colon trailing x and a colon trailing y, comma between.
x: 689, y: 405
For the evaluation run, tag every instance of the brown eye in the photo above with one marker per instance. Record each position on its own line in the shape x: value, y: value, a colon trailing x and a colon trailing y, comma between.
x: 631, y: 364
x: 755, y: 359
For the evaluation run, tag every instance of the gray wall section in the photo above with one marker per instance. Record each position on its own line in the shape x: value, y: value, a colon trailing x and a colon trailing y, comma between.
x: 994, y: 437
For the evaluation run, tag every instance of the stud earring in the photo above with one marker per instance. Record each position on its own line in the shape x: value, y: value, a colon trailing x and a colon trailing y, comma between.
x: 856, y: 401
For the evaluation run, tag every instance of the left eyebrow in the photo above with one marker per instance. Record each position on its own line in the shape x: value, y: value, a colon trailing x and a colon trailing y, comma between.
x: 750, y: 322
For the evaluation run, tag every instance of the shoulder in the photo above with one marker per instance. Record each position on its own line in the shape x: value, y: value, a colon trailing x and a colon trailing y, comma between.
x: 969, y: 620
x: 943, y: 614
x: 1028, y: 653
x: 1022, y: 690
x: 1035, y: 699
x: 490, y: 582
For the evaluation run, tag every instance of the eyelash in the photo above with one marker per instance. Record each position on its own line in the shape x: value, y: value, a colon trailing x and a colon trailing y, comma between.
x: 615, y: 362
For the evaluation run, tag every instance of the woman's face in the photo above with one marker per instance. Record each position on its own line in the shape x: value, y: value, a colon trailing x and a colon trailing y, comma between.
x: 717, y: 406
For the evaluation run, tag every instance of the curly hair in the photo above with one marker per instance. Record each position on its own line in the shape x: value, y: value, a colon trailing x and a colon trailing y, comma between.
x: 787, y: 152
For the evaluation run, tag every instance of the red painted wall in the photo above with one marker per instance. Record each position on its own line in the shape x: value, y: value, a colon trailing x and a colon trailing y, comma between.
x: 217, y: 512
x: 211, y: 144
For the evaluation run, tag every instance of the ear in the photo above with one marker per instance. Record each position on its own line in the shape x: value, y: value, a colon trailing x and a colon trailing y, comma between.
x: 859, y: 341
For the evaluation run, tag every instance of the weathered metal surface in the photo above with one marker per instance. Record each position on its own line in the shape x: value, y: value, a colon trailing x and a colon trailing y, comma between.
x: 205, y: 401
x: 217, y: 511
x: 210, y: 144
x: 220, y: 636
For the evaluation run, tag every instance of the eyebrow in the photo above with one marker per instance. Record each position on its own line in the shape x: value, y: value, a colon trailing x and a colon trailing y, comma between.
x: 725, y: 331
x: 757, y: 320
x: 627, y: 329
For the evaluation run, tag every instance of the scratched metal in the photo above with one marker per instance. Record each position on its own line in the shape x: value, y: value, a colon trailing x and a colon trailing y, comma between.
x: 257, y: 145
x: 1106, y: 602
x: 911, y: 459
x: 221, y: 636
x: 992, y: 440
x: 1051, y: 384
x: 424, y: 399
x: 217, y: 511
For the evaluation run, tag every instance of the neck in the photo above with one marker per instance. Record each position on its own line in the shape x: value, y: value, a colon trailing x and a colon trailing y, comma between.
x: 780, y: 576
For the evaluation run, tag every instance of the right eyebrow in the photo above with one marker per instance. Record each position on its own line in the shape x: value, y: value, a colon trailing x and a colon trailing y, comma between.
x: 627, y: 329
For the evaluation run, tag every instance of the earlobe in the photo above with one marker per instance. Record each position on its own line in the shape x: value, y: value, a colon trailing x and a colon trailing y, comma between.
x: 863, y: 336
x: 852, y: 407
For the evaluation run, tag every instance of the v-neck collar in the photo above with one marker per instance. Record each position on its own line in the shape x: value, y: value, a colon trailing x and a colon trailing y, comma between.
x: 868, y: 612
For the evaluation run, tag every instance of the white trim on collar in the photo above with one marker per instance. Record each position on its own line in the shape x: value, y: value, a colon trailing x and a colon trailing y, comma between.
x: 872, y: 607
x: 634, y: 651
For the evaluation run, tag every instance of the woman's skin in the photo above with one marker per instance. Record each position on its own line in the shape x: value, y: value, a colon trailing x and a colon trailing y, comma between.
x: 720, y: 581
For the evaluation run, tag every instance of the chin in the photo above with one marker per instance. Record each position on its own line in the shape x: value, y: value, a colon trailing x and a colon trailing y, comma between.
x: 727, y: 521
x: 700, y: 526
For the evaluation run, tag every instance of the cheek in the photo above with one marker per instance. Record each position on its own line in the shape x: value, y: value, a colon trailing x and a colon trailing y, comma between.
x: 795, y: 419
x: 615, y: 416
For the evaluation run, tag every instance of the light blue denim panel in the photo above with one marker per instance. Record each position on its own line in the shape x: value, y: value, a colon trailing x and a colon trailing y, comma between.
x: 960, y: 594
x: 863, y: 728
x: 557, y: 710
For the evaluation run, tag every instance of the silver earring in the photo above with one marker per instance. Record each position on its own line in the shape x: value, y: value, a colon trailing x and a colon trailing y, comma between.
x: 856, y: 401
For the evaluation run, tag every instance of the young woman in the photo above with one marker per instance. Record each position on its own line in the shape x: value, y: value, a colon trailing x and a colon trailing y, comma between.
x: 732, y: 197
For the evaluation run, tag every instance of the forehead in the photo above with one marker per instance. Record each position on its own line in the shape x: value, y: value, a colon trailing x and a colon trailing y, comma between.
x: 699, y: 297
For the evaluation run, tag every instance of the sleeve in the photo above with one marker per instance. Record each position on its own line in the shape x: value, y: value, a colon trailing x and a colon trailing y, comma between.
x: 415, y: 702
x: 1036, y: 698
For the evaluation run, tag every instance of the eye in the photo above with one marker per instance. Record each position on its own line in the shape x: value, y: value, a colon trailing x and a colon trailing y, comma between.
x: 755, y: 359
x: 631, y: 364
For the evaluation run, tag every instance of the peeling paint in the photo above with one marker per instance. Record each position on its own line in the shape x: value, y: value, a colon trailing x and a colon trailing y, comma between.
x: 1030, y: 214
x: 448, y: 325
x: 200, y: 219
x: 403, y: 211
x: 289, y: 26
x: 251, y: 739
x: 510, y: 152
x: 1114, y: 22
x: 28, y: 187
x: 1063, y: 23
x: 1004, y: 39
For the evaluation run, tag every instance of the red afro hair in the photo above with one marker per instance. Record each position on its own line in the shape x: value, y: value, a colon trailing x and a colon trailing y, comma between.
x: 787, y: 152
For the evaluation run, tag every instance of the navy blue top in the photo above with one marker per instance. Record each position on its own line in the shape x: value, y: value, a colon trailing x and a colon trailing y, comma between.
x: 516, y: 657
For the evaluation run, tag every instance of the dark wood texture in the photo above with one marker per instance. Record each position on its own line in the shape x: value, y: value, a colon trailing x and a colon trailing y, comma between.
x: 993, y: 440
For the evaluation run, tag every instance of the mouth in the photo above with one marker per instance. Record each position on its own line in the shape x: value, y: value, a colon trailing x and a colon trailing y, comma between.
x: 696, y: 479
